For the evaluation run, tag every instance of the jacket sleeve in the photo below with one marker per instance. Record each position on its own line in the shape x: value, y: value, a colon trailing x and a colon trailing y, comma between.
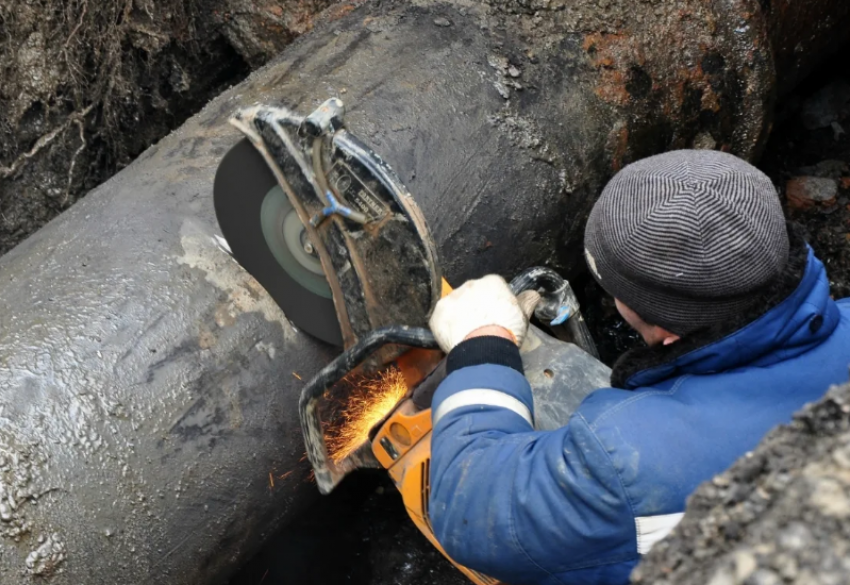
x: 513, y: 503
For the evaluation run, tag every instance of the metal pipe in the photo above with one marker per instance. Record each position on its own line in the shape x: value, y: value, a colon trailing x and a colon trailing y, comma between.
x: 149, y: 386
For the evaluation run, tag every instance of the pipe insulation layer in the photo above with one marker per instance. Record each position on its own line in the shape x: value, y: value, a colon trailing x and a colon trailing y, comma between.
x: 148, y: 385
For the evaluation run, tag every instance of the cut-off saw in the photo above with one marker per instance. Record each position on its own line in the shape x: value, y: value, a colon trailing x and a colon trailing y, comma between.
x: 331, y: 232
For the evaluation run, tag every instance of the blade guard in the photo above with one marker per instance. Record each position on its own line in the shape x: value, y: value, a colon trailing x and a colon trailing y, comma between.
x: 372, y: 240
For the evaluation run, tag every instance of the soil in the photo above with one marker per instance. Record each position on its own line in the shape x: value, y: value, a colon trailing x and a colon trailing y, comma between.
x: 87, y: 86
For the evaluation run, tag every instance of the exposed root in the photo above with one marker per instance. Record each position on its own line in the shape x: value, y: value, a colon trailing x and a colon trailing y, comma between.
x: 88, y: 85
x: 45, y: 141
x: 78, y: 27
x: 83, y: 144
x: 125, y: 73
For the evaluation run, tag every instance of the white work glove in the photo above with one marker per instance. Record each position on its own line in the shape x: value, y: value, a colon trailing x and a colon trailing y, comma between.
x: 477, y: 304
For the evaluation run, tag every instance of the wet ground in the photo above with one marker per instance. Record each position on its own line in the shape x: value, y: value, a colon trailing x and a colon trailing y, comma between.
x: 361, y: 535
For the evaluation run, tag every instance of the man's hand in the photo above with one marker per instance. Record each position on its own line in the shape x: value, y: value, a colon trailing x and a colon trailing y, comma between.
x: 481, y: 307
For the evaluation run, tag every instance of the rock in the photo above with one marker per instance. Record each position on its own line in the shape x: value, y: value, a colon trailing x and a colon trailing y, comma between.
x: 829, y: 497
x: 441, y: 21
x: 503, y: 91
x: 805, y: 192
x: 764, y: 577
x: 705, y: 141
x: 723, y: 577
x: 745, y: 565
x: 498, y: 62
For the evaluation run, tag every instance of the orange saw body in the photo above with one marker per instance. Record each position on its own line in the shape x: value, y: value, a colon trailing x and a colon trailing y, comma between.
x: 402, y: 445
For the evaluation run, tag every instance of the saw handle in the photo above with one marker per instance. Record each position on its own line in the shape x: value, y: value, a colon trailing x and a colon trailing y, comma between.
x: 558, y: 304
x: 556, y: 298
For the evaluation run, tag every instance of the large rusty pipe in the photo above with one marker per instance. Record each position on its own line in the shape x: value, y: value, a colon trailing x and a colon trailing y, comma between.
x: 148, y: 385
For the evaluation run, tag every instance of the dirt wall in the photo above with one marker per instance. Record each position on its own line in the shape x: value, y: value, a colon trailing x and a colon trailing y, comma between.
x: 87, y: 86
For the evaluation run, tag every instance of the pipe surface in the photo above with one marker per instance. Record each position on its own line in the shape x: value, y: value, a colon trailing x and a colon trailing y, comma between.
x: 148, y: 385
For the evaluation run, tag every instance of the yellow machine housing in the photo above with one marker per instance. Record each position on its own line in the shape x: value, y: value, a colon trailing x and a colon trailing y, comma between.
x: 403, y: 446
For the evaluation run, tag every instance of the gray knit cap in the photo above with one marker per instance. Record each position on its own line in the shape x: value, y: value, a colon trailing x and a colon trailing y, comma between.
x: 688, y: 238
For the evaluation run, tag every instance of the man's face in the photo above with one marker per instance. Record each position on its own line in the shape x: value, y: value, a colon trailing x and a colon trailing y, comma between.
x: 652, y: 334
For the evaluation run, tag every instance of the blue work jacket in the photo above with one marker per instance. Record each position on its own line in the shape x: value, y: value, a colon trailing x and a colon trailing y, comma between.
x: 581, y: 504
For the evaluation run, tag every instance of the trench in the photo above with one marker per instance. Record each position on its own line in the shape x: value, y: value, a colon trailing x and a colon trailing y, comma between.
x: 361, y: 534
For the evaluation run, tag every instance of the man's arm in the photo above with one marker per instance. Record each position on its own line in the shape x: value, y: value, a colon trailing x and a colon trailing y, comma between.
x: 513, y: 503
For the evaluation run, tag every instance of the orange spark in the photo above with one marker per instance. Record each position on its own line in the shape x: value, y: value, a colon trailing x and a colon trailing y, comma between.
x: 285, y: 475
x: 271, y: 480
x: 369, y: 401
x: 296, y: 375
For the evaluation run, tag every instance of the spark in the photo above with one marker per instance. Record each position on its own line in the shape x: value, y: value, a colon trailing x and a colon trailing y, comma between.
x: 271, y: 480
x: 369, y: 401
x: 296, y: 375
x: 285, y: 475
x: 264, y: 576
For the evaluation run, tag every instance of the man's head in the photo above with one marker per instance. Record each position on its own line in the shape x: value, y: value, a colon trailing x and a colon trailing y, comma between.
x: 686, y: 240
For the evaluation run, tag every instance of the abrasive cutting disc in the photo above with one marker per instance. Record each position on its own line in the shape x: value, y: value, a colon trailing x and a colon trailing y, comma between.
x: 268, y: 240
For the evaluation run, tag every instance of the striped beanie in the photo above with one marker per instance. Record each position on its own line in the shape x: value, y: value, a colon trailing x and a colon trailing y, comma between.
x: 687, y: 239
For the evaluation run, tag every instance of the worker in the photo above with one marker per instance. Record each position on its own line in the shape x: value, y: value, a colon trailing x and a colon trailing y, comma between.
x: 740, y: 333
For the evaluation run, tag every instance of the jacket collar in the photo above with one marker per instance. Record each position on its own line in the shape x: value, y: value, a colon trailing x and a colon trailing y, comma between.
x: 792, y: 324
